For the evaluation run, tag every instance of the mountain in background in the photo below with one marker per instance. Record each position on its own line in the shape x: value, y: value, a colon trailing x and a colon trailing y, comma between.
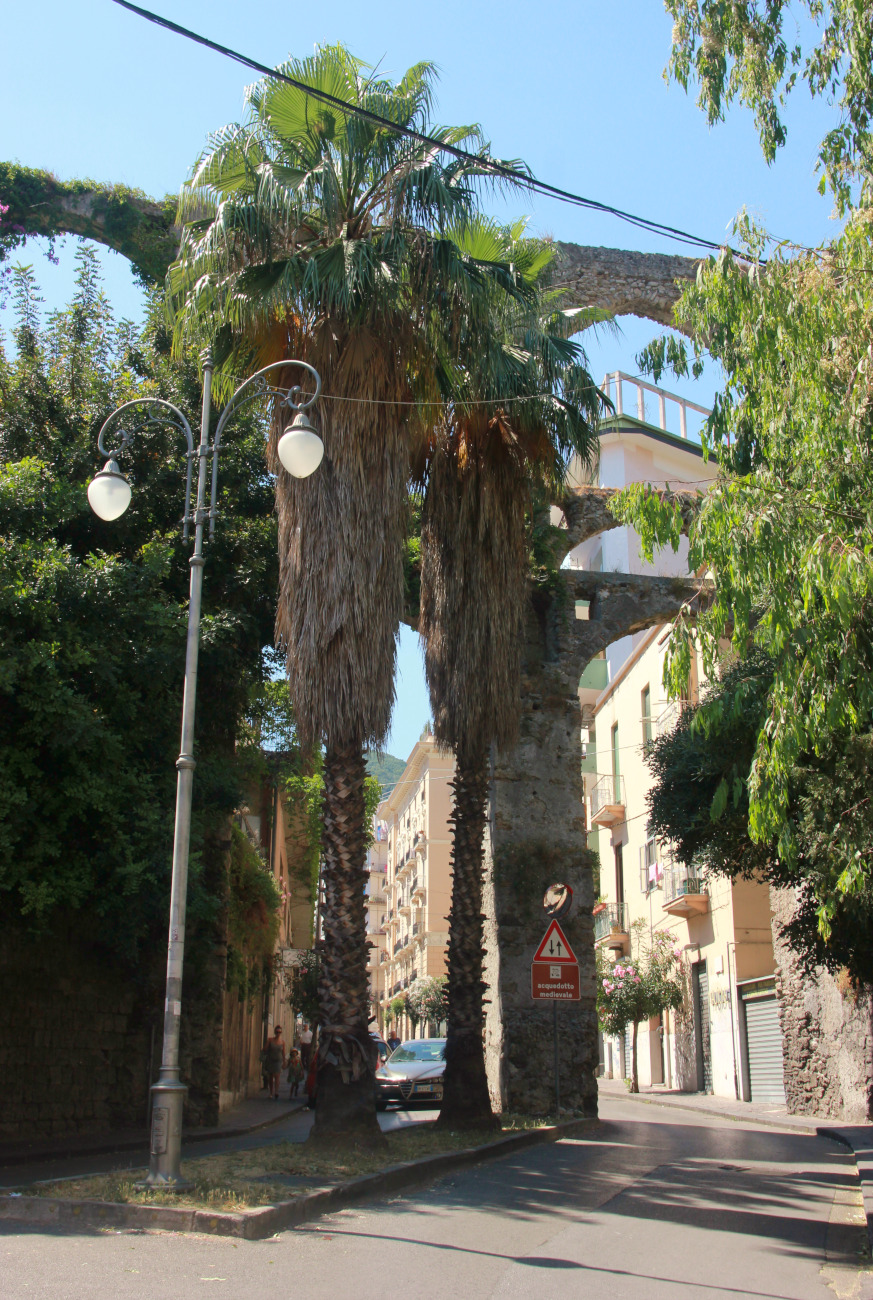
x: 386, y: 768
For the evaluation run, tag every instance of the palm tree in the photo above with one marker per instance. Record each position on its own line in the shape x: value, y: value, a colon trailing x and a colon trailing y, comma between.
x: 522, y: 403
x: 320, y: 236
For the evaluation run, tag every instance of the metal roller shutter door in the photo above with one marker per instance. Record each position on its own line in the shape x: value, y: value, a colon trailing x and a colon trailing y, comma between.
x: 764, y: 1039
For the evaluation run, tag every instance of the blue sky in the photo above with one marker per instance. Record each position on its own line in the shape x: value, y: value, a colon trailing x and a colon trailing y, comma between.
x: 574, y: 89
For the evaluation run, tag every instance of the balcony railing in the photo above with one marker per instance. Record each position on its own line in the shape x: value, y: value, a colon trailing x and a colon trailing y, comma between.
x: 611, y: 925
x: 684, y: 894
x: 608, y: 801
x: 401, y: 943
x: 415, y: 928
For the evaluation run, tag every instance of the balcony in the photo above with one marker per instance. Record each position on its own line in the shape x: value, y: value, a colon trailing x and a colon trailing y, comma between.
x: 407, y: 861
x: 685, y: 895
x: 608, y: 801
x: 594, y: 679
x: 611, y: 926
x: 419, y: 892
x: 405, y: 907
x: 398, y: 945
x: 416, y: 928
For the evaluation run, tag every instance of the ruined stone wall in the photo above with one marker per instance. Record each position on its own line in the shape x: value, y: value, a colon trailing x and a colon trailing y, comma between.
x: 536, y: 837
x: 827, y: 1033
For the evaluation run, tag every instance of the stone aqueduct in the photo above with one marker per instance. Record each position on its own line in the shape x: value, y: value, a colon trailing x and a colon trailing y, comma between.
x: 537, y: 818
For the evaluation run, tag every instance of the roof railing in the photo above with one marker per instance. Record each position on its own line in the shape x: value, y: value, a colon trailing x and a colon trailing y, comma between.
x: 616, y: 379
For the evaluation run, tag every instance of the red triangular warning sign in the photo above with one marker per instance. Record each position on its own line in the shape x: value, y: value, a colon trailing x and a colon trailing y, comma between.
x: 554, y: 947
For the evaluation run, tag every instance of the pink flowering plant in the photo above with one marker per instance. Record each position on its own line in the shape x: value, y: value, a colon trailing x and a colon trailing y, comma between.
x: 638, y: 987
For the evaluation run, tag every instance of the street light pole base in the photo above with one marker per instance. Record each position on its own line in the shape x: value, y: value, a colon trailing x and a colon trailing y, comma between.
x: 168, y: 1097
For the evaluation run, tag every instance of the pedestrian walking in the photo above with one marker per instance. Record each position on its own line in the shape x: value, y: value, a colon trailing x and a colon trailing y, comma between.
x: 275, y: 1061
x: 305, y: 1040
x: 296, y: 1072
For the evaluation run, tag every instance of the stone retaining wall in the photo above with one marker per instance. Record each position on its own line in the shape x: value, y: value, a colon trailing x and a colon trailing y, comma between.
x: 827, y: 1033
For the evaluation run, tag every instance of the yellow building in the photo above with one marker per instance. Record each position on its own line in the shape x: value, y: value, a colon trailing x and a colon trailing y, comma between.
x: 412, y: 839
x: 728, y: 1040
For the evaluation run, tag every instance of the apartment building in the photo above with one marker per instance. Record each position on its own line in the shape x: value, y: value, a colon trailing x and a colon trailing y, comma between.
x: 413, y: 822
x: 375, y: 894
x: 727, y: 1041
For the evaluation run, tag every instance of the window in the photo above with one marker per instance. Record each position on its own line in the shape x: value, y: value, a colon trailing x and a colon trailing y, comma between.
x: 651, y: 869
x: 619, y: 874
x: 646, y: 698
x: 616, y: 765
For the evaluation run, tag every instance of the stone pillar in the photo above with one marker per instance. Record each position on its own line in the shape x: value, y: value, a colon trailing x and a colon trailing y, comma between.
x: 537, y: 837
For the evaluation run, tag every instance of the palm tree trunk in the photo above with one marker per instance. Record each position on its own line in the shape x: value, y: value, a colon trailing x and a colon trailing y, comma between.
x: 345, y: 1111
x: 466, y: 1100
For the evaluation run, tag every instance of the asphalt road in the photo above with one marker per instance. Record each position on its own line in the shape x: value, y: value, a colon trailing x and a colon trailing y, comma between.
x: 653, y: 1206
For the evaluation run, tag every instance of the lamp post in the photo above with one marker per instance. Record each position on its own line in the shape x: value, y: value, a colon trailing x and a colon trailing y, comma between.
x: 300, y: 450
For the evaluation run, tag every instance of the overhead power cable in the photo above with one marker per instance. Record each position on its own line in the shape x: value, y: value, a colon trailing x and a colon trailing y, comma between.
x: 489, y: 165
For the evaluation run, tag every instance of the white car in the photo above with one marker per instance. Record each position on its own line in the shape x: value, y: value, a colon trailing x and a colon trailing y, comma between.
x: 413, y: 1073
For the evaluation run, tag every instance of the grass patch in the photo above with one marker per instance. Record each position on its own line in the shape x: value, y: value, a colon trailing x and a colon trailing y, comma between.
x: 241, y: 1180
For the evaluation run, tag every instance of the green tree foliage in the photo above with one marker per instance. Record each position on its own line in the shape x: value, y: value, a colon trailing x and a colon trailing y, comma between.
x: 397, y: 1008
x: 303, y: 988
x: 699, y: 803
x: 632, y: 990
x: 93, y: 620
x: 427, y: 1000
x: 253, y: 917
x: 743, y: 51
x: 786, y: 528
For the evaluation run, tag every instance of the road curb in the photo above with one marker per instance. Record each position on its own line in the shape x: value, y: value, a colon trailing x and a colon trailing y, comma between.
x: 859, y: 1140
x: 266, y: 1220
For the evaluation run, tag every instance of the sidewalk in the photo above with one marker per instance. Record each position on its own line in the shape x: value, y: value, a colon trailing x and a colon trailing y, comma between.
x: 857, y: 1137
x: 766, y: 1113
x: 250, y: 1115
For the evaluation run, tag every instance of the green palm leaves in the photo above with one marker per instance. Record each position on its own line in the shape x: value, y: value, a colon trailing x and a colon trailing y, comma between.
x: 304, y: 210
x: 312, y: 233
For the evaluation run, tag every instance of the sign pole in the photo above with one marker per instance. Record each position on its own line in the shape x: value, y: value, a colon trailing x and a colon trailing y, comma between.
x: 557, y: 1071
x: 554, y: 977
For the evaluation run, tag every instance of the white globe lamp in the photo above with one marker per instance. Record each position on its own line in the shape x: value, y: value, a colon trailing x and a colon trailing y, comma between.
x: 300, y: 448
x: 109, y: 492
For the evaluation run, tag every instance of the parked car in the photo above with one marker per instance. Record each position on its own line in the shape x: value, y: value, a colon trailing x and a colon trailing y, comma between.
x: 413, y: 1073
x: 381, y: 1047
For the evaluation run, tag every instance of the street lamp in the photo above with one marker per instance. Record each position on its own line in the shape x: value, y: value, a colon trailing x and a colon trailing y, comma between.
x: 300, y: 451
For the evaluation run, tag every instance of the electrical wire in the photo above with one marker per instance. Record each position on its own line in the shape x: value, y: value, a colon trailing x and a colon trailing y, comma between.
x: 487, y: 164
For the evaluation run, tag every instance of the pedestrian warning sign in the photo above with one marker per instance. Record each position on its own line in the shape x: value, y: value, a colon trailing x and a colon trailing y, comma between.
x: 554, y: 948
